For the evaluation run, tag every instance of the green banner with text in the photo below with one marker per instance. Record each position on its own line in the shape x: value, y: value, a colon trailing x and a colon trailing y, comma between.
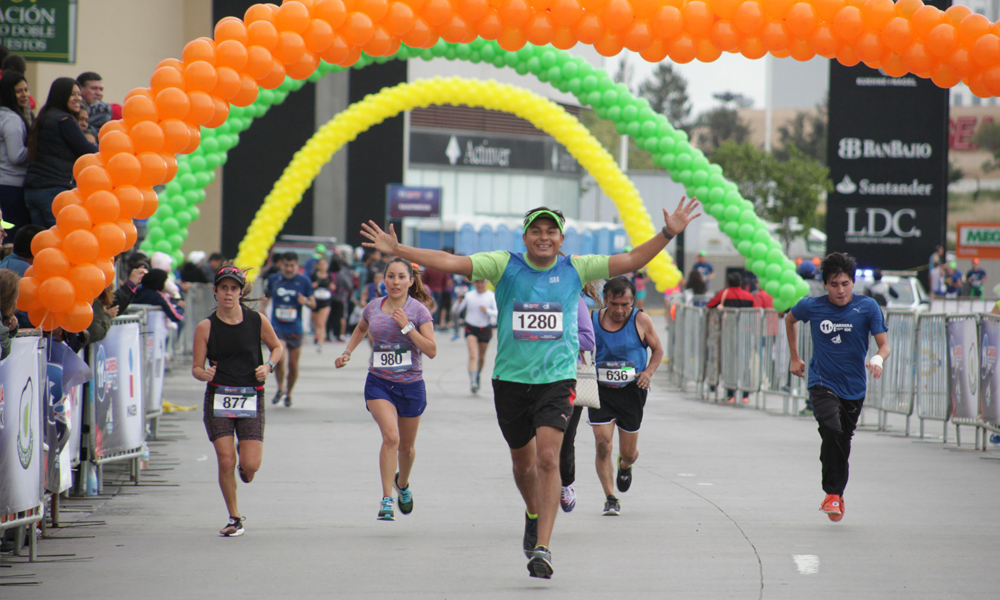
x: 39, y: 30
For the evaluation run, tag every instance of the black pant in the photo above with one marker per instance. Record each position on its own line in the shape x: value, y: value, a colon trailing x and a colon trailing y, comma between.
x: 567, y: 454
x: 837, y: 418
x: 336, y: 314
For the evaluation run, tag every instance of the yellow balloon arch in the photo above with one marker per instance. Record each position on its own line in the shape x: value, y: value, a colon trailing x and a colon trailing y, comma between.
x: 541, y: 112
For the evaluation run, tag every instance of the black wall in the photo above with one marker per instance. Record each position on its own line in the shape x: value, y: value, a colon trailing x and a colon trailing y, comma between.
x: 263, y: 153
x: 375, y: 158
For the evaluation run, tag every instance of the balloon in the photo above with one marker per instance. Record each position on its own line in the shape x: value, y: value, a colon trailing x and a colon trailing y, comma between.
x: 111, y: 239
x: 139, y: 108
x: 93, y: 179
x: 108, y: 268
x: 45, y: 239
x: 115, y: 142
x: 102, y: 207
x: 80, y: 246
x: 73, y: 217
x: 124, y: 169
x: 129, y: 201
x: 56, y: 294
x: 77, y: 317
x: 27, y: 294
x: 64, y: 199
x: 87, y: 280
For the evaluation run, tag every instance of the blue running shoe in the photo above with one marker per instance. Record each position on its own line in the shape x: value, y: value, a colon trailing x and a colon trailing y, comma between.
x: 385, y: 512
x: 405, y: 497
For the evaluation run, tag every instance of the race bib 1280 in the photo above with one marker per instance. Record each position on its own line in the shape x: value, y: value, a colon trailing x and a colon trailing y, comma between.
x: 235, y: 402
x: 394, y: 358
x: 537, y: 321
x: 616, y: 374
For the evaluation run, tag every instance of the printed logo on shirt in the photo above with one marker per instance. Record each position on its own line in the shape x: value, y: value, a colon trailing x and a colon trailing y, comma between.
x: 286, y: 293
x: 554, y: 279
x: 835, y: 339
x: 829, y: 327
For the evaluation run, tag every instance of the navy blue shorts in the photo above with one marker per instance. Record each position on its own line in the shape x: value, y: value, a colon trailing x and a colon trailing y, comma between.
x: 410, y: 399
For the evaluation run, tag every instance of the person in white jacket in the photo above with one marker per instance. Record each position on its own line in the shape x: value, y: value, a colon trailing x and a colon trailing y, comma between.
x: 480, y: 306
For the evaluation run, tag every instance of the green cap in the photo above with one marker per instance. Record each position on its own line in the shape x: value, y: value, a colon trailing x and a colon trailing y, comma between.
x: 5, y: 224
x: 953, y: 264
x: 528, y: 220
x: 702, y: 253
x: 319, y: 251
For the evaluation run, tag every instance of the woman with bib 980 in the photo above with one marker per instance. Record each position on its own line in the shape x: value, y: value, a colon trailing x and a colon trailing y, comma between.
x: 402, y: 330
x: 230, y: 338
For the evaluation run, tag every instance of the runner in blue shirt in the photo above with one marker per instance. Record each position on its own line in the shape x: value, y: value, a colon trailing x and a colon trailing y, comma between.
x: 841, y: 323
x: 977, y: 279
x: 290, y: 291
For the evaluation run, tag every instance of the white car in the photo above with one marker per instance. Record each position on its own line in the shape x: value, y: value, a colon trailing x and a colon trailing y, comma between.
x: 905, y: 290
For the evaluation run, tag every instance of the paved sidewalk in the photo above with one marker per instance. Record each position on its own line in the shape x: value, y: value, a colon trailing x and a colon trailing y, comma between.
x: 723, y: 505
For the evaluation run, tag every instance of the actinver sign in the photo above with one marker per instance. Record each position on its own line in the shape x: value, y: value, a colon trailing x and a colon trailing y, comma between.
x: 882, y: 226
x: 853, y: 148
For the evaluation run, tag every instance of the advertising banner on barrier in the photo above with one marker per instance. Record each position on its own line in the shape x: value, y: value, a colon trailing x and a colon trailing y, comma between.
x: 963, y: 371
x: 889, y: 168
x: 66, y: 372
x: 20, y: 428
x: 116, y: 391
x: 155, y: 358
x: 989, y: 379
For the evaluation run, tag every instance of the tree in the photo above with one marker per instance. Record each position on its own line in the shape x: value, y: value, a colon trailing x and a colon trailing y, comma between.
x: 666, y: 92
x: 720, y: 125
x: 988, y: 138
x: 625, y: 73
x: 604, y: 131
x: 785, y: 192
x: 806, y: 131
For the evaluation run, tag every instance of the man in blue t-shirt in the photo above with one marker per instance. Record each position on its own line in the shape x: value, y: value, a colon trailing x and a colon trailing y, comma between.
x: 840, y: 323
x: 290, y: 291
x: 704, y: 267
x: 977, y: 279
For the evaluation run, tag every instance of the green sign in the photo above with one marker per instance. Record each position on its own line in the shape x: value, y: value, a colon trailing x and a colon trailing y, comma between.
x: 39, y: 30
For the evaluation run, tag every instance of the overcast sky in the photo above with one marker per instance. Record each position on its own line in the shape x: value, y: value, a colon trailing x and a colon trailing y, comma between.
x: 731, y: 73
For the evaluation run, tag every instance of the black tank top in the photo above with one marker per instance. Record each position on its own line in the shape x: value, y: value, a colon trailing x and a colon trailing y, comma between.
x: 235, y: 349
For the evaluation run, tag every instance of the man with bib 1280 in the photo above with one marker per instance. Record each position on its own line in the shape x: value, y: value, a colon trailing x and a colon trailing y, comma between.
x: 289, y: 290
x: 534, y: 377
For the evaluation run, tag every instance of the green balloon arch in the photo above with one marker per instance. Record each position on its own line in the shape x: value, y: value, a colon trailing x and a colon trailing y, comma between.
x: 593, y: 87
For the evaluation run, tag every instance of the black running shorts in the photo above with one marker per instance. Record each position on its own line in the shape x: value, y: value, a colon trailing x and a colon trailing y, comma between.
x: 245, y: 429
x: 482, y: 334
x: 522, y: 408
x: 620, y: 405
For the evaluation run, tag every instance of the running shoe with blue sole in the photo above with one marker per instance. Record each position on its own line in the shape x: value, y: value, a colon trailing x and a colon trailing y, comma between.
x: 385, y: 512
x: 405, y: 497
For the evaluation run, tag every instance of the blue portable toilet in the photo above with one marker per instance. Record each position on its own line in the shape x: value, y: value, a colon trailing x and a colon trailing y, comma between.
x: 571, y: 245
x: 485, y: 240
x: 466, y: 240
x: 620, y: 239
x: 603, y: 239
x: 502, y: 240
x: 587, y: 245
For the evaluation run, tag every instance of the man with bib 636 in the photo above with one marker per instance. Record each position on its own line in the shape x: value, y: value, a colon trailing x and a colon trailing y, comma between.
x: 290, y: 291
x: 621, y: 336
x: 841, y: 323
x: 534, y: 378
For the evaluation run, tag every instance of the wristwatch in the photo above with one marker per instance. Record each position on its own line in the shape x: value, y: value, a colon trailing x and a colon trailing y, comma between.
x: 409, y: 327
x: 270, y: 364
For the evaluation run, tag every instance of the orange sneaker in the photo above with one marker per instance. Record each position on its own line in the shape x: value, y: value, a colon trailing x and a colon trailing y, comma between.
x: 833, y: 507
x: 843, y: 509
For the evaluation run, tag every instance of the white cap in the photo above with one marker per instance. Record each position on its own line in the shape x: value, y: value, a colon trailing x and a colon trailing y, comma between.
x: 196, y: 256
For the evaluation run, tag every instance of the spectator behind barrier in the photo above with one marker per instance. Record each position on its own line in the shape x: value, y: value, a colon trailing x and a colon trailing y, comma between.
x: 83, y: 120
x: 150, y: 291
x: 9, y: 282
x: 734, y: 296
x: 19, y: 260
x: 92, y: 90
x: 215, y: 262
x: 113, y: 302
x: 54, y: 143
x: 13, y: 147
x: 192, y: 270
x: 17, y: 64
x: 696, y: 282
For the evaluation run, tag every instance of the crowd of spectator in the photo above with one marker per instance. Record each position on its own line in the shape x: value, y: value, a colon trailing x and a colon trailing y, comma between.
x: 37, y: 152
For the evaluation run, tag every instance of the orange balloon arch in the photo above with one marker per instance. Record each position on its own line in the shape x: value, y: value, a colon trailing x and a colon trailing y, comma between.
x: 73, y: 259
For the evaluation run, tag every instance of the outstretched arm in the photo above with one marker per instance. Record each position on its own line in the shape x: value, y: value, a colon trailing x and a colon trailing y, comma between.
x: 640, y: 256
x: 387, y: 243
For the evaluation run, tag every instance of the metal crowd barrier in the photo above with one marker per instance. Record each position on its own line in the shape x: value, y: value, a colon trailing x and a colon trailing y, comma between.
x: 965, y: 305
x: 941, y: 367
x: 199, y: 302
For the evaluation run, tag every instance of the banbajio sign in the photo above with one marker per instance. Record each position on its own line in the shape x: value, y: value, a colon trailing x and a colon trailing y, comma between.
x: 888, y: 159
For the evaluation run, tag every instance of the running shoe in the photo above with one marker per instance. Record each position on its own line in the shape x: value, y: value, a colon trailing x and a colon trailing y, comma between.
x: 540, y: 563
x: 833, y: 507
x: 530, y: 534
x: 474, y: 388
x: 624, y: 479
x: 288, y: 400
x: 277, y: 397
x: 319, y: 348
x: 385, y: 512
x: 405, y: 497
x: 568, y: 498
x: 612, y: 508
x: 455, y: 337
x: 234, y: 528
x: 835, y: 517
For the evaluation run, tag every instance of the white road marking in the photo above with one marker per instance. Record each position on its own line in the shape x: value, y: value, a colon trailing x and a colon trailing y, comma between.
x: 203, y: 457
x: 807, y: 564
x: 704, y: 483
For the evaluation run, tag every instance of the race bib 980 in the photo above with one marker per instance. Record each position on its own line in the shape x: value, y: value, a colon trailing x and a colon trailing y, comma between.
x: 235, y: 402
x: 394, y: 358
x: 537, y: 321
x: 616, y: 374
